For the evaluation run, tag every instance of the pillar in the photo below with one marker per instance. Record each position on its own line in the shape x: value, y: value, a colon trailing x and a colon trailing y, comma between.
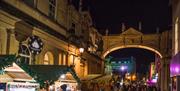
x: 12, y: 45
x: 3, y: 40
x: 9, y: 32
x: 165, y: 73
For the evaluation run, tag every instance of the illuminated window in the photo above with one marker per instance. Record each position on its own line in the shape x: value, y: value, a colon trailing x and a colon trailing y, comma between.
x: 29, y: 2
x: 64, y: 59
x: 60, y: 58
x: 48, y: 58
x: 176, y: 35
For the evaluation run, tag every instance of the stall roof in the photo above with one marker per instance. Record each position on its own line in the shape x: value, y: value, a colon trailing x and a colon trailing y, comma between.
x: 91, y: 77
x: 19, y: 76
x: 105, y: 78
x: 5, y: 78
x: 53, y: 72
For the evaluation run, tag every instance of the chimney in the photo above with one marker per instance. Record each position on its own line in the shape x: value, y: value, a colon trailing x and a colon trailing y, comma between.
x: 157, y: 30
x: 140, y: 26
x: 80, y: 5
x: 123, y: 27
x: 107, y: 32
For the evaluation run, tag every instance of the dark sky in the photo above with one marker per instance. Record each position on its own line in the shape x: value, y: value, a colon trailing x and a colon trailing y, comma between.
x: 143, y: 57
x: 110, y: 14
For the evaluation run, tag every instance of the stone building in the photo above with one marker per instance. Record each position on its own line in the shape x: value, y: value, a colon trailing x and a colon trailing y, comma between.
x: 175, y: 61
x: 61, y: 28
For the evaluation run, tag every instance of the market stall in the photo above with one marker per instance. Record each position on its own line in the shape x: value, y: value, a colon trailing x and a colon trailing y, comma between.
x: 66, y: 81
x: 16, y: 79
x: 22, y: 86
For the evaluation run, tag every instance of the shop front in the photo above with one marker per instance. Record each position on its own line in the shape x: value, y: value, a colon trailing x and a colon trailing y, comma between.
x: 22, y: 86
x: 15, y: 79
x: 67, y: 85
x: 175, y: 72
x: 66, y: 81
x: 57, y: 77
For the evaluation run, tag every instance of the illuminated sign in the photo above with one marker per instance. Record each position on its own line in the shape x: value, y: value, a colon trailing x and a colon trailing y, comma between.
x: 152, y: 70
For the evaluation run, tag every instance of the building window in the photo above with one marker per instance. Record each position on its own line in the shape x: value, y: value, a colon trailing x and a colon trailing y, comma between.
x: 176, y: 35
x: 29, y: 2
x: 25, y: 54
x: 52, y: 8
x: 60, y: 58
x: 72, y: 29
x: 64, y: 59
x: 48, y: 59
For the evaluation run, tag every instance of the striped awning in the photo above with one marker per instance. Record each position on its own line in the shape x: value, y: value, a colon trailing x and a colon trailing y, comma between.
x: 19, y: 76
x: 5, y: 78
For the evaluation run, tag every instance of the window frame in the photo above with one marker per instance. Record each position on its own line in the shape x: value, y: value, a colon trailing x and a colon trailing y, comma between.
x: 23, y: 54
x: 52, y: 4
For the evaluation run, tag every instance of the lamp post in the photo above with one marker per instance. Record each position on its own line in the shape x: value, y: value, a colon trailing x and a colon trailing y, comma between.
x: 81, y: 50
x: 123, y: 70
x: 72, y: 38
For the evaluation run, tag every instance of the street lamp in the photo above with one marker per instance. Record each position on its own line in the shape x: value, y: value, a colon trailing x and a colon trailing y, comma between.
x: 123, y: 71
x: 122, y: 68
x: 63, y: 76
x: 81, y: 50
x: 77, y: 41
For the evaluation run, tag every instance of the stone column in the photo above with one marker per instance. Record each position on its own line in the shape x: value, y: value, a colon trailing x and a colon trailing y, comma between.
x: 3, y: 40
x: 162, y: 75
x: 9, y: 33
x: 165, y: 73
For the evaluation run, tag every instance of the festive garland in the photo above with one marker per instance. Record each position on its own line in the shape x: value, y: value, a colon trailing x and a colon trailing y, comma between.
x: 72, y: 71
x: 6, y: 61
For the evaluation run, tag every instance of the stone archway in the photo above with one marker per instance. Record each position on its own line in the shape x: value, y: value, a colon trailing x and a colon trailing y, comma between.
x: 157, y: 42
x: 131, y: 46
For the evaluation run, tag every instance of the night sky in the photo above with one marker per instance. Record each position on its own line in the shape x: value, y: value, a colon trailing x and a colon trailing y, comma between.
x: 110, y: 14
x: 143, y: 57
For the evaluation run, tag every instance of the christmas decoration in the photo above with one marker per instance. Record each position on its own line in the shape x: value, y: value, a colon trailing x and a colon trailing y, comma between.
x: 6, y: 61
x: 35, y: 44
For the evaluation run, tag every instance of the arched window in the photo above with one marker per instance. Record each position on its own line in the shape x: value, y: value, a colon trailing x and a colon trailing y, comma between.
x: 25, y: 54
x: 48, y: 59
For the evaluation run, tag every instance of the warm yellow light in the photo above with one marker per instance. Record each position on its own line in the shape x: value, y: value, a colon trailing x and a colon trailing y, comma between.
x: 133, y: 77
x: 81, y: 50
x: 131, y: 46
x: 176, y: 37
x: 129, y: 77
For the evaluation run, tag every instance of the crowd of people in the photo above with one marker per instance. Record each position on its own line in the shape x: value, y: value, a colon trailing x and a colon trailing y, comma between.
x: 110, y: 86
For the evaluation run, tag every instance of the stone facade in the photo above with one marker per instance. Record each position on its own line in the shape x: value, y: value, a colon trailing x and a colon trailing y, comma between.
x: 159, y: 43
x: 50, y: 20
x: 176, y: 26
x: 174, y: 63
